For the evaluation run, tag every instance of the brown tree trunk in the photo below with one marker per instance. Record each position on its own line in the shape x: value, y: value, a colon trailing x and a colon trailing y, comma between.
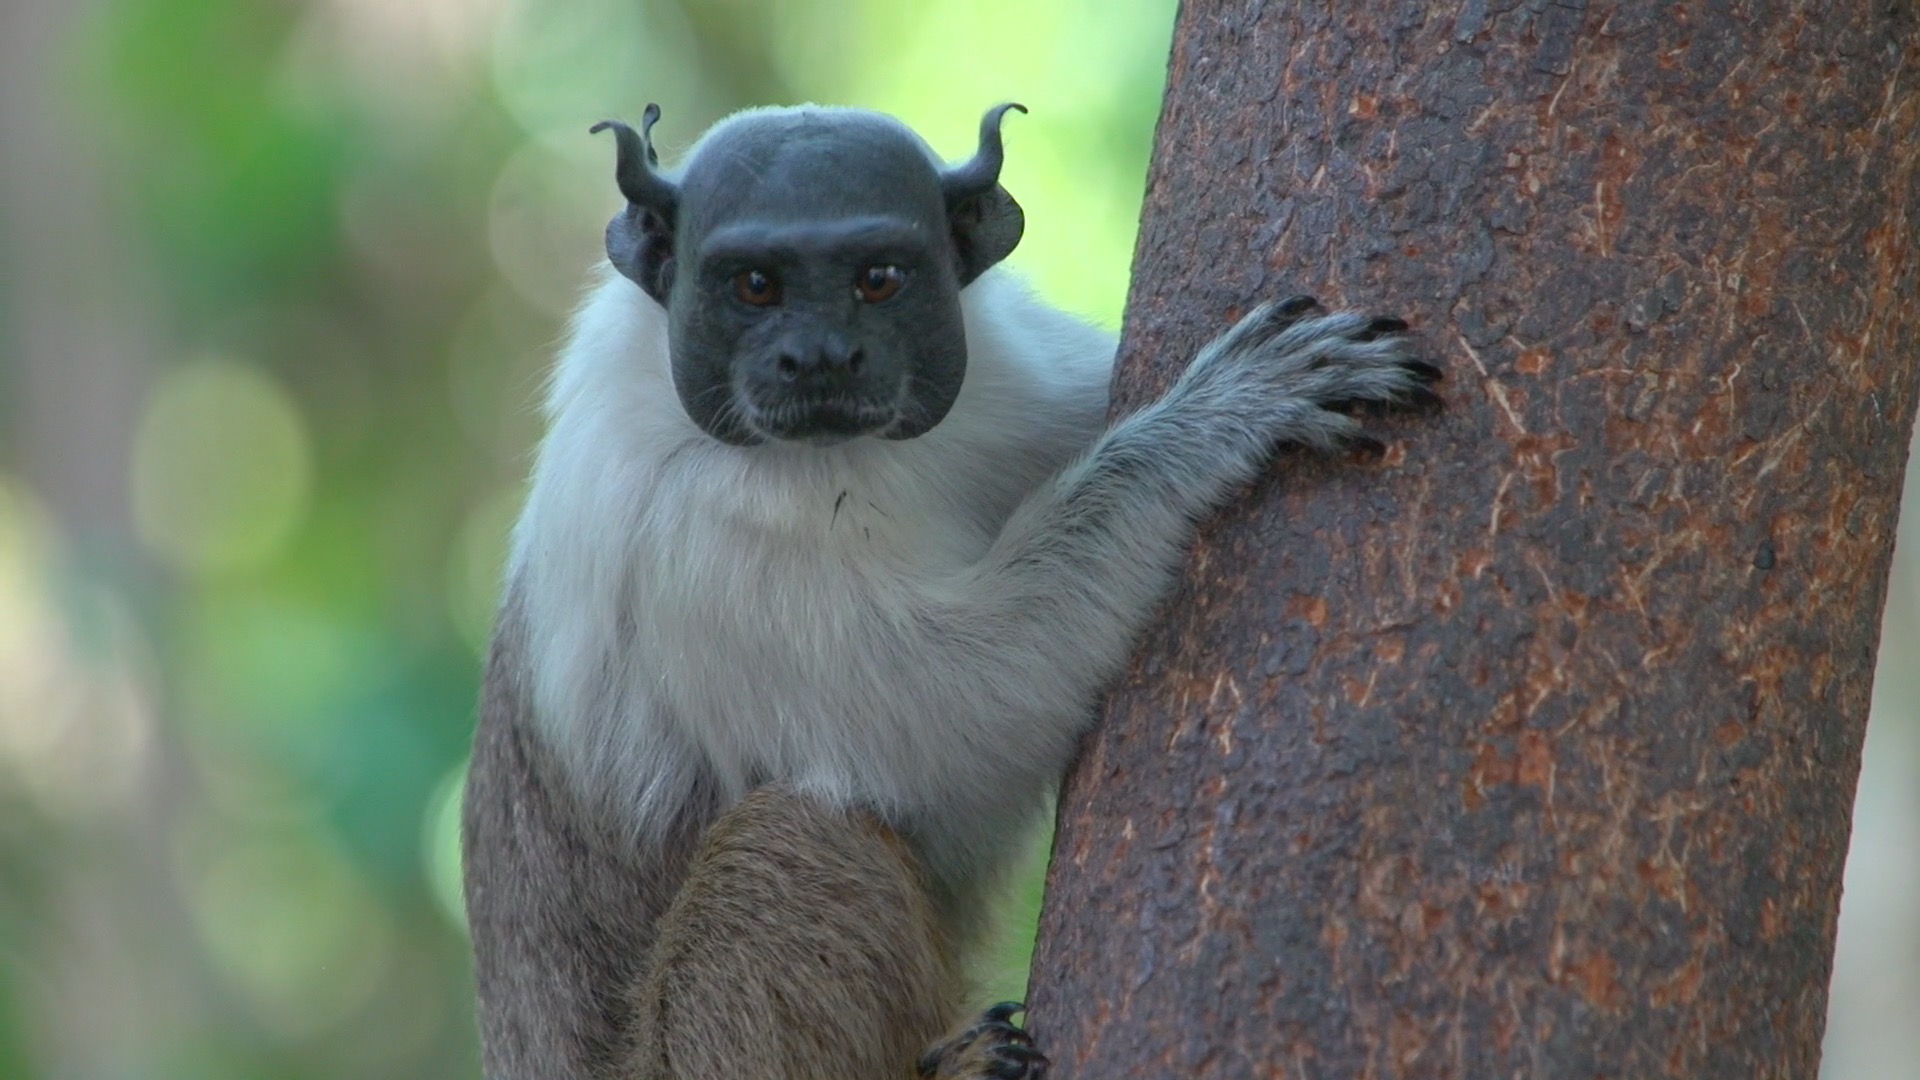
x: 1529, y: 750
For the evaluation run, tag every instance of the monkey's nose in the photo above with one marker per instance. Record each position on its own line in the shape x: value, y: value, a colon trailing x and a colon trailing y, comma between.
x: 824, y: 361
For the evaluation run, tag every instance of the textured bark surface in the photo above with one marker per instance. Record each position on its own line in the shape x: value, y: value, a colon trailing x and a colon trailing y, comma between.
x: 1529, y: 750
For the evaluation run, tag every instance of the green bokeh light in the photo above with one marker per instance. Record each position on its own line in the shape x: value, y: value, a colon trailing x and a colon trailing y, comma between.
x: 221, y: 467
x: 288, y: 919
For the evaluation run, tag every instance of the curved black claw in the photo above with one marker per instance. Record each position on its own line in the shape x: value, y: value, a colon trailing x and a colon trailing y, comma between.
x: 1427, y: 372
x: 997, y: 1023
x: 1418, y: 399
x: 1003, y: 1012
x: 1284, y: 313
x: 1423, y: 399
x: 1381, y: 327
x: 1367, y: 446
x: 1295, y: 306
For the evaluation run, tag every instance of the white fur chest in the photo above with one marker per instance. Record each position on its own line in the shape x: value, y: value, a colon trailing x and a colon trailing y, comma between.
x: 747, y: 614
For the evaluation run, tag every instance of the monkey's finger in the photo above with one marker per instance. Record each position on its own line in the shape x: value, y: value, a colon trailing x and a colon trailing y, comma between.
x: 1018, y: 1063
x: 1273, y: 318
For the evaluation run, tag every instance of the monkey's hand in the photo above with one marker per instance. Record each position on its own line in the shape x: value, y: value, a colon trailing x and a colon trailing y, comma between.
x: 1293, y: 376
x: 991, y: 1048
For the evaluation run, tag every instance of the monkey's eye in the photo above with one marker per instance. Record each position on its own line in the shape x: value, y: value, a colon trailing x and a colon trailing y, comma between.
x: 877, y: 283
x: 756, y: 287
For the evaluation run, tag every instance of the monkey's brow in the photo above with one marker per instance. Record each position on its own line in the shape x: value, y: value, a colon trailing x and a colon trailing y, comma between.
x: 750, y: 240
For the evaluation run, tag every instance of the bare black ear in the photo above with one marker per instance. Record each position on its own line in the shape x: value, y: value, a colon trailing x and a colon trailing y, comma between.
x: 986, y: 229
x: 640, y: 246
x: 986, y: 222
x: 640, y: 238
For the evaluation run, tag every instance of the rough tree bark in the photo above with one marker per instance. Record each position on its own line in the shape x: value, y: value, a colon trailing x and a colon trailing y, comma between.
x: 1529, y: 750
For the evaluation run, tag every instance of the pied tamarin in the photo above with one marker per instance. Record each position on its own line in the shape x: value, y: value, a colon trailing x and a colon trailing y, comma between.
x: 828, y: 551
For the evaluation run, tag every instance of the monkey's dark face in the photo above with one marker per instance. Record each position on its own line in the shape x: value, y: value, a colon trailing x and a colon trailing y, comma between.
x: 812, y: 279
x: 817, y: 312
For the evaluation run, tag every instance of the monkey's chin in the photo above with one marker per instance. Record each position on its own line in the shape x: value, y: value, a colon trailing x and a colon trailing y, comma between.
x: 821, y: 423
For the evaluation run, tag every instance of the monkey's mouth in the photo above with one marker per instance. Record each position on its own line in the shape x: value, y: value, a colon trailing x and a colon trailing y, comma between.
x: 819, y: 421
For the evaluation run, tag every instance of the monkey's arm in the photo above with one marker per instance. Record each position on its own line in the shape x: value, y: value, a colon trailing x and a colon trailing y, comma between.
x: 1030, y: 633
x: 804, y: 946
x: 561, y: 908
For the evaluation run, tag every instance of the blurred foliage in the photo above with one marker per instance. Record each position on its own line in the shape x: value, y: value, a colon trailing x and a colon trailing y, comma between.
x: 302, y: 266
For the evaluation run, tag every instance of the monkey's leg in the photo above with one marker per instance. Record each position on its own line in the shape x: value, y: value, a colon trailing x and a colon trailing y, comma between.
x: 803, y: 946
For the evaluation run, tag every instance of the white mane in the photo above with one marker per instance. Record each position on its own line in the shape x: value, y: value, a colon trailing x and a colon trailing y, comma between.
x: 699, y: 608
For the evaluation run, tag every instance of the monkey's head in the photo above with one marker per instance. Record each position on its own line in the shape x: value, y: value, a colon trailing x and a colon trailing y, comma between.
x: 810, y: 261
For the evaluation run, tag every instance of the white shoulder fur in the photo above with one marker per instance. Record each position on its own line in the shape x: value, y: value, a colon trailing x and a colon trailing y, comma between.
x: 747, y: 613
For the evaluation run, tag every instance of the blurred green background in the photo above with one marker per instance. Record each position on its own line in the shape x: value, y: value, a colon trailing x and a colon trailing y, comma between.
x: 279, y: 283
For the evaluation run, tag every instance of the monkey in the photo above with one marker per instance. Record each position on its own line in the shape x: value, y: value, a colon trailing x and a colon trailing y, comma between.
x: 828, y: 552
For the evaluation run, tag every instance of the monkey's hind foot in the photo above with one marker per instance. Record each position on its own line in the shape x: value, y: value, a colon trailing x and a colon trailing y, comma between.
x: 991, y: 1048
